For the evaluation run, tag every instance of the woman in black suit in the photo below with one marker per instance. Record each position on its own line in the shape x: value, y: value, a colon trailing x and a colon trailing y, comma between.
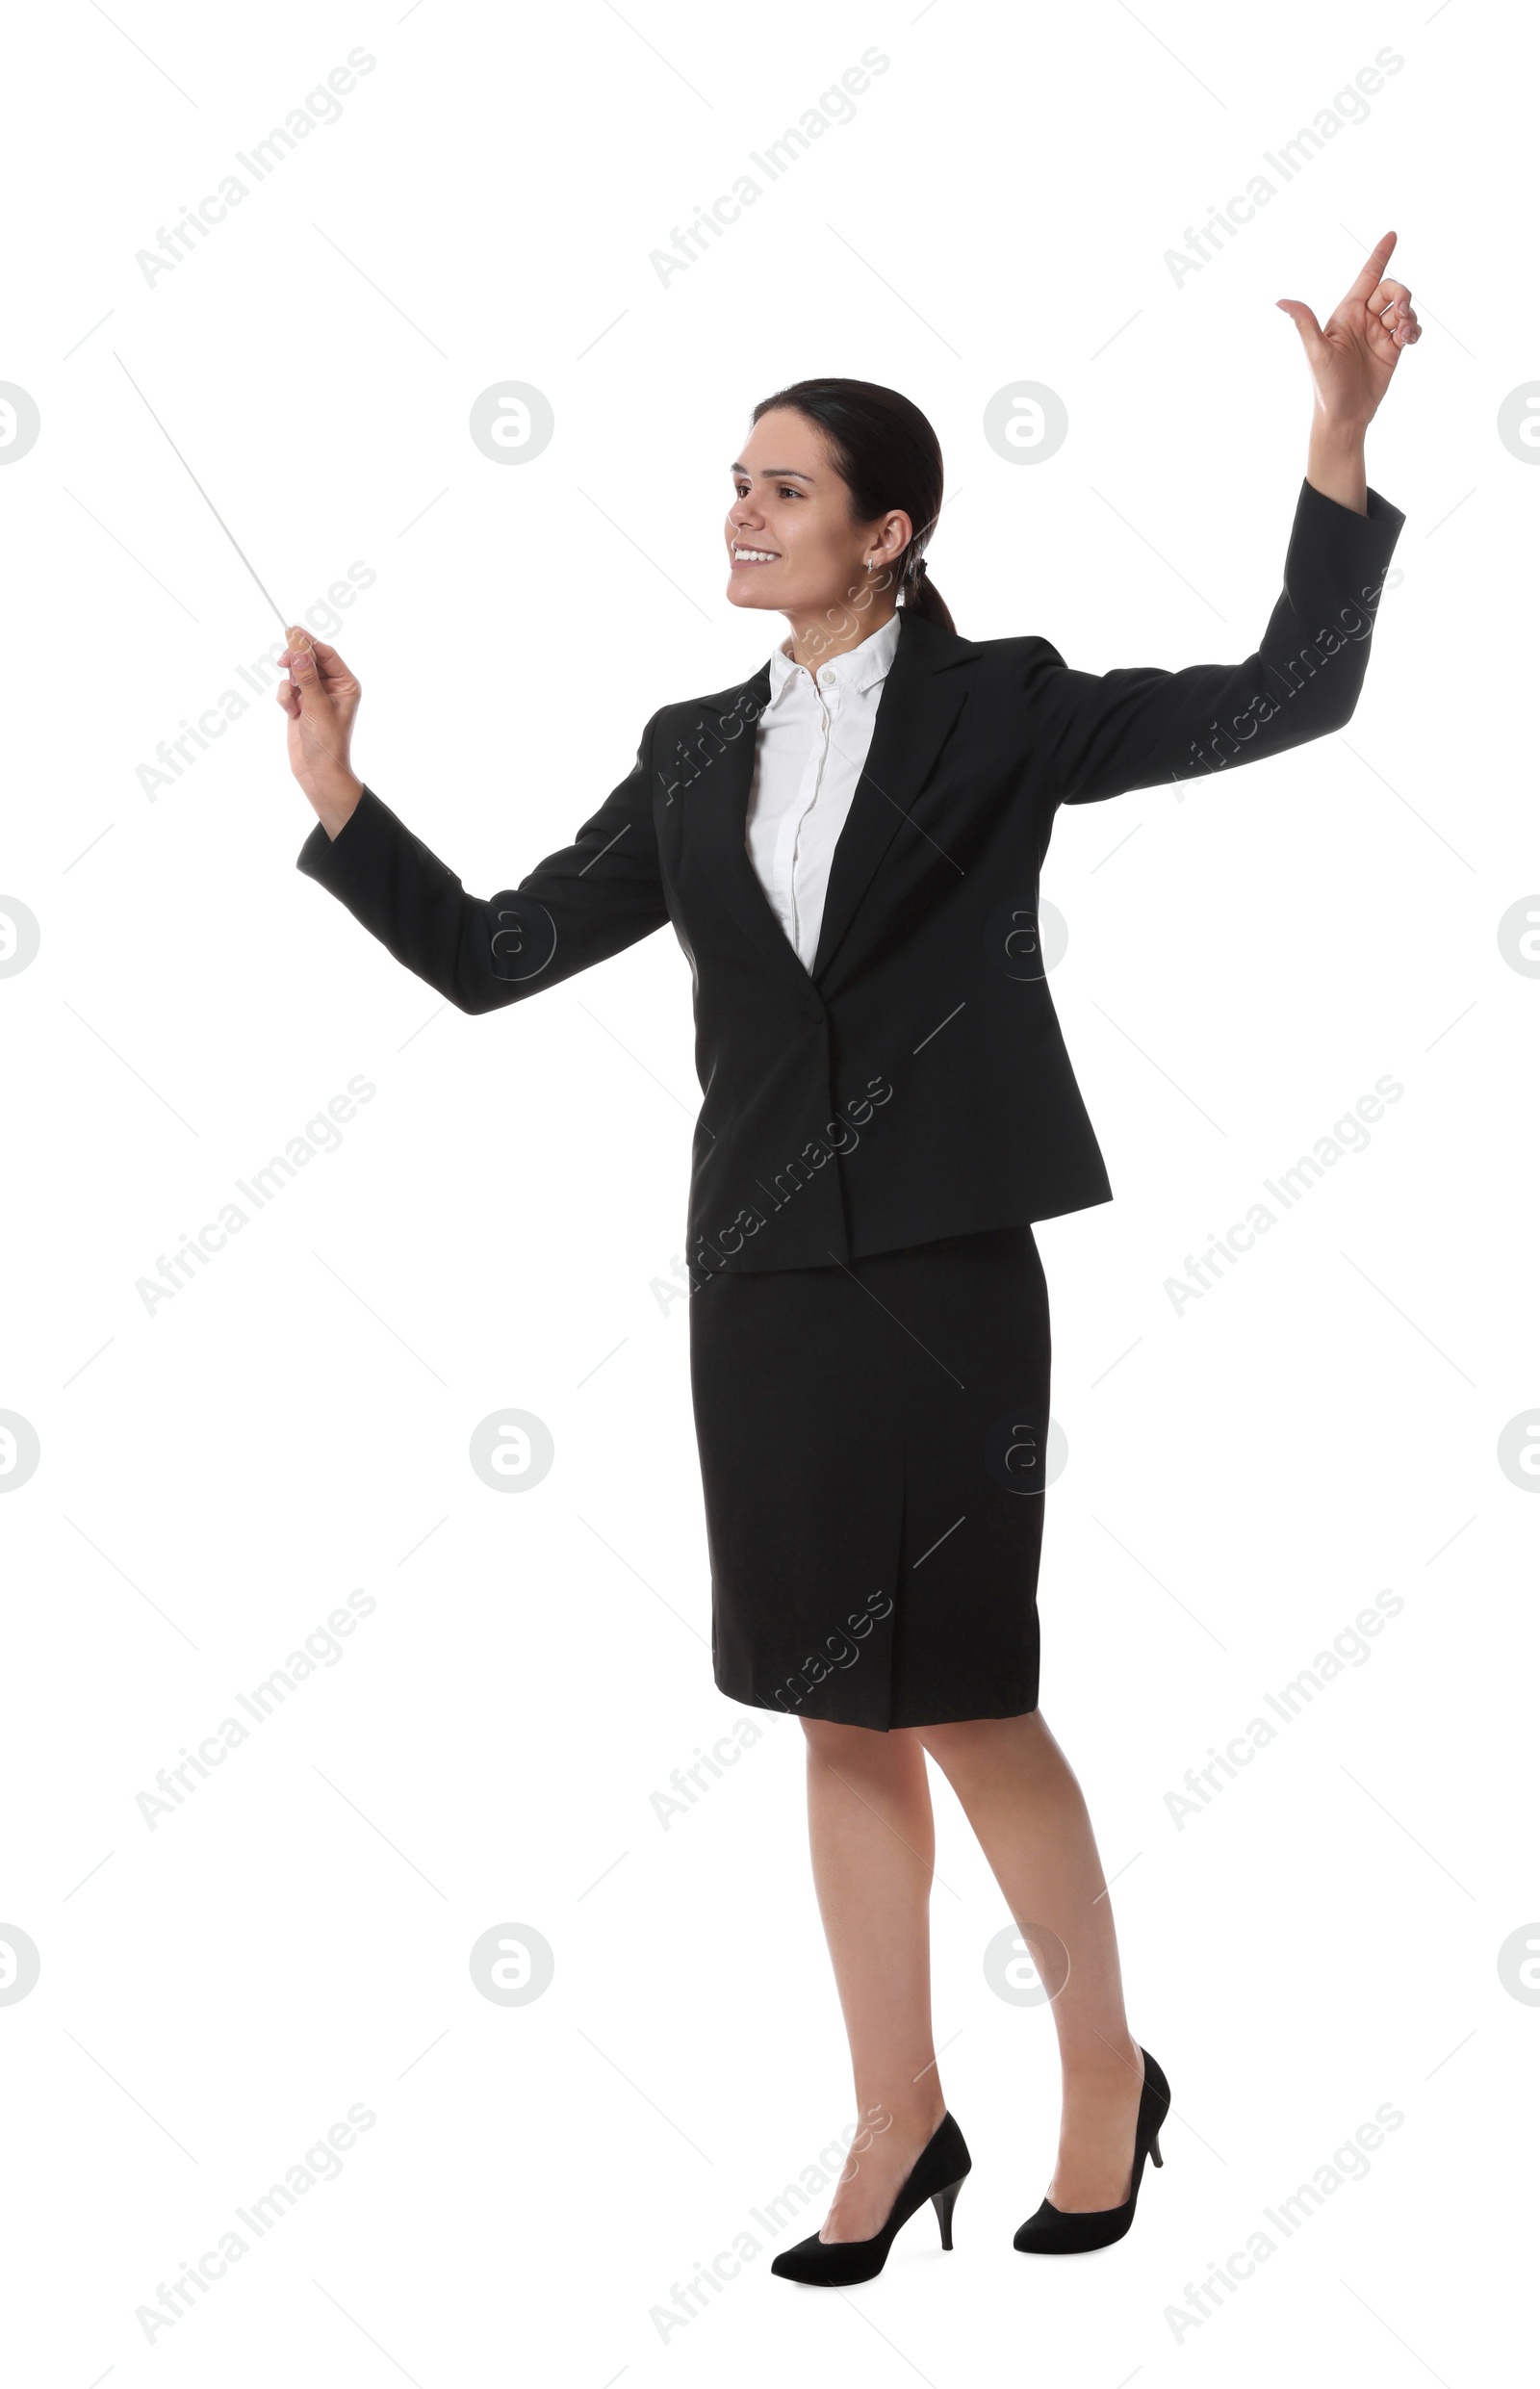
x: 848, y: 845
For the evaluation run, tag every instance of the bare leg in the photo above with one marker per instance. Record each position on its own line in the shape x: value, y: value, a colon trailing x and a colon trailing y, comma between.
x: 1024, y: 1804
x: 873, y: 1842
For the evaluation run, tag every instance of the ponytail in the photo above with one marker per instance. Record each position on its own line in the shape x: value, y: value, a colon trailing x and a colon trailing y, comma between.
x: 921, y: 595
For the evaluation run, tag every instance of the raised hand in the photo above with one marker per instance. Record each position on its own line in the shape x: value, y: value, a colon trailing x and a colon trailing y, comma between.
x: 321, y: 698
x: 1353, y: 357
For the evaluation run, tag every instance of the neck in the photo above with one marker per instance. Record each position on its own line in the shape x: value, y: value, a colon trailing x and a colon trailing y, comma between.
x: 816, y: 637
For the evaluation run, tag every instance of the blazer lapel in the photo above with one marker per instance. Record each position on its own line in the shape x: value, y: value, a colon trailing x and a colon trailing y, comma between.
x: 715, y: 776
x: 914, y: 719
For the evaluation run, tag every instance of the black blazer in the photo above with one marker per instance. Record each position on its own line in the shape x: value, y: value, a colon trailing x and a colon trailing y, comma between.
x: 915, y: 1084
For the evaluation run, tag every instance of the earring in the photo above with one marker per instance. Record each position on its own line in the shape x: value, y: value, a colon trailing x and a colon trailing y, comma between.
x: 868, y: 563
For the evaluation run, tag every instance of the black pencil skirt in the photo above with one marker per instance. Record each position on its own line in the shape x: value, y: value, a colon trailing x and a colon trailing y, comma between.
x: 872, y: 1439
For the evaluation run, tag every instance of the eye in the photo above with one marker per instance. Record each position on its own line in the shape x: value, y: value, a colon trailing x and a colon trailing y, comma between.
x: 786, y: 490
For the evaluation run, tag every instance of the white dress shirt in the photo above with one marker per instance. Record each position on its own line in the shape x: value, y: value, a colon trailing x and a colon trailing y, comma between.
x: 810, y: 747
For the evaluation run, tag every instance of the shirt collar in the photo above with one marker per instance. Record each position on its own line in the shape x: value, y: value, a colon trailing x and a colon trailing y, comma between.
x: 858, y: 668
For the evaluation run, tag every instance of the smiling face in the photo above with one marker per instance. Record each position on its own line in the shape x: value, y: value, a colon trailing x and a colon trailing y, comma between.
x: 792, y: 542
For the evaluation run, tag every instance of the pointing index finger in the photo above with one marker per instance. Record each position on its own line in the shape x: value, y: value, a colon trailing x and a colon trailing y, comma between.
x: 1373, y: 268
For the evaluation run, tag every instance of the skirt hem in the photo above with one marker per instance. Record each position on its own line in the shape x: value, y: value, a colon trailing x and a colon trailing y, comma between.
x: 894, y: 1725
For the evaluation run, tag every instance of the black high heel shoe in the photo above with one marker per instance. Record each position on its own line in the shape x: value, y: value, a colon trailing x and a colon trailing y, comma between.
x: 938, y: 2174
x: 1050, y: 2233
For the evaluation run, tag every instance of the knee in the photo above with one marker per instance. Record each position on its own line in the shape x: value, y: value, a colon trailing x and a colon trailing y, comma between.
x: 972, y: 1747
x: 952, y: 1747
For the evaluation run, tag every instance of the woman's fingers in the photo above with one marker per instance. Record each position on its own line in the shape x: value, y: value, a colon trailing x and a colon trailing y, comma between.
x: 304, y: 676
x: 1392, y: 309
x: 299, y: 638
x: 325, y: 674
x: 318, y: 669
x: 1385, y: 295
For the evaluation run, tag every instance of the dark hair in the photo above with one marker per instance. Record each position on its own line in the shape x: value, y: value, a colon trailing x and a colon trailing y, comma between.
x: 884, y: 451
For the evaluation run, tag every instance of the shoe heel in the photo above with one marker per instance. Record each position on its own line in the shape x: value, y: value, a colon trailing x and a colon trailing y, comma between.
x: 1155, y: 2156
x: 943, y: 2201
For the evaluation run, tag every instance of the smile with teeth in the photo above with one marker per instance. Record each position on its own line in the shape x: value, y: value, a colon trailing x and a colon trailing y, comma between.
x: 754, y: 555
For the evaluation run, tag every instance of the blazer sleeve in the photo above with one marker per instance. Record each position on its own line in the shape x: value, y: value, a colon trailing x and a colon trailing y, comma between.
x: 576, y: 908
x: 1110, y: 732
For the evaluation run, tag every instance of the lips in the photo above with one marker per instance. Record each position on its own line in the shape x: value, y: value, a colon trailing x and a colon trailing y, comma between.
x: 745, y: 555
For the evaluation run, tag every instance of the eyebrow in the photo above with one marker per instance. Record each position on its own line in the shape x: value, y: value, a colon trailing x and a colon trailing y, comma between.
x: 773, y: 473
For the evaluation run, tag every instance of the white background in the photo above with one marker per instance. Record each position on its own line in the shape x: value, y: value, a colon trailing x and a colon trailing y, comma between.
x: 497, y: 1225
